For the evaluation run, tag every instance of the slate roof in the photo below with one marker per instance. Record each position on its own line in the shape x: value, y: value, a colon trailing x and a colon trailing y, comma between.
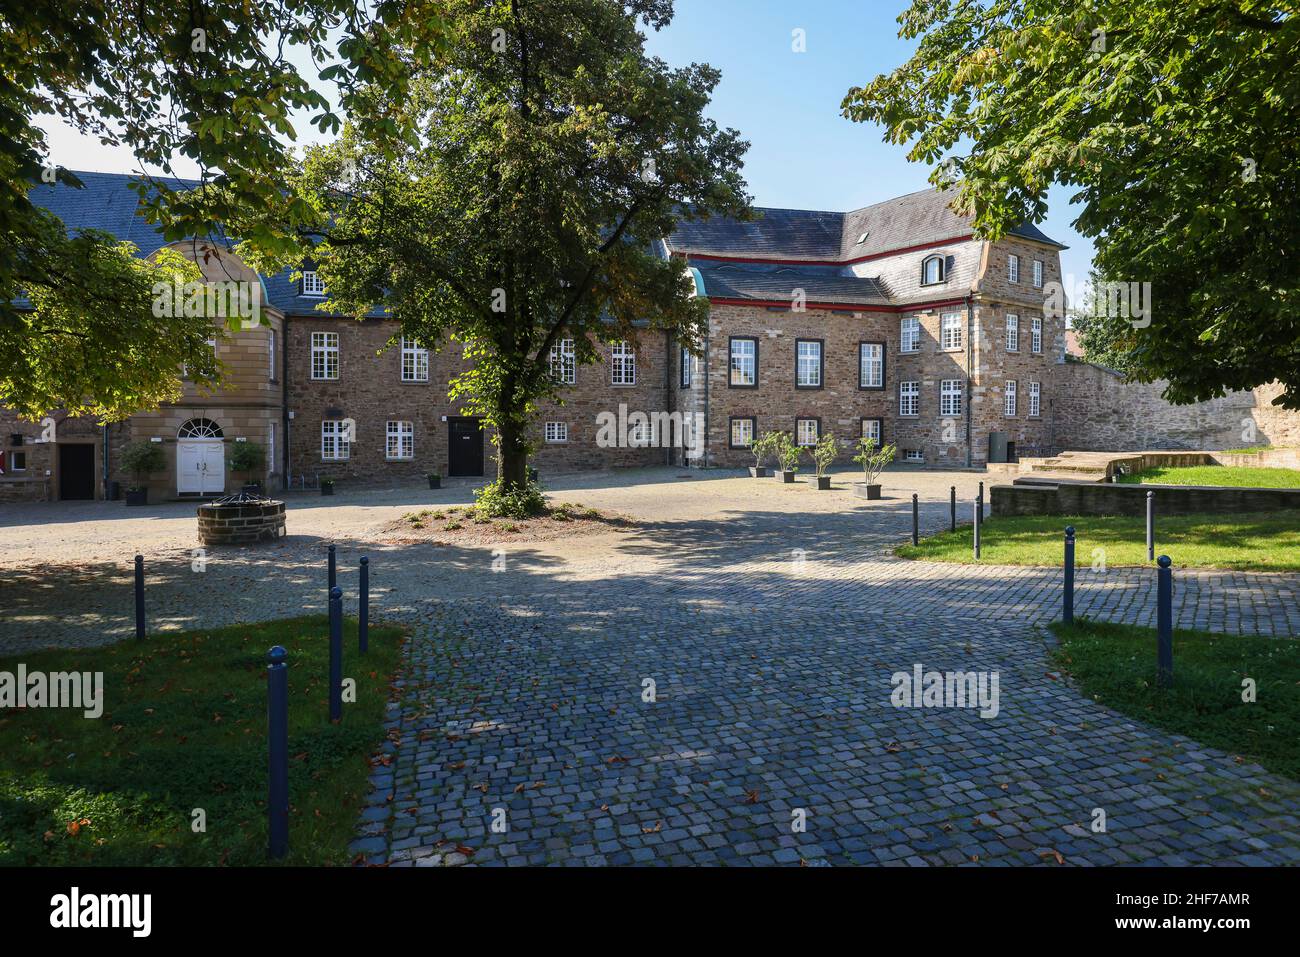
x: 777, y: 282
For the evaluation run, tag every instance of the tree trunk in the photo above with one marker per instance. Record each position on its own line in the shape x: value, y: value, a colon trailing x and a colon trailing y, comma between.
x: 512, y: 460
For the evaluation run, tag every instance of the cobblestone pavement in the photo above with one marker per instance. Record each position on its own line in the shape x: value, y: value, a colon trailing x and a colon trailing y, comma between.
x: 769, y: 619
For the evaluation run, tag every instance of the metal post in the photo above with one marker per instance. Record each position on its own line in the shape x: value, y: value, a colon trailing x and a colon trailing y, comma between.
x: 363, y: 612
x: 1067, y: 596
x: 1151, y: 525
x: 952, y: 506
x: 139, y: 596
x: 916, y: 522
x: 980, y: 493
x: 333, y: 573
x: 1164, y: 623
x: 979, y: 509
x: 336, y: 653
x: 277, y: 736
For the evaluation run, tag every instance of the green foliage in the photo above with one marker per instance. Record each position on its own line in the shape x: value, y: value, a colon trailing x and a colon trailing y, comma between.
x: 767, y: 445
x: 184, y: 727
x: 825, y: 452
x: 1169, y: 121
x: 873, y: 459
x: 497, y: 500
x: 247, y: 457
x: 549, y: 164
x: 1234, y: 476
x: 1116, y: 665
x: 788, y: 452
x: 142, y: 459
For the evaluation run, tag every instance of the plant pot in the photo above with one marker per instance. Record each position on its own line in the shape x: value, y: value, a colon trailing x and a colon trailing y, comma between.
x: 137, y: 496
x: 435, y: 481
x: 863, y: 490
x: 532, y: 475
x: 787, y: 476
x: 823, y: 483
x: 759, y: 471
x: 327, y: 489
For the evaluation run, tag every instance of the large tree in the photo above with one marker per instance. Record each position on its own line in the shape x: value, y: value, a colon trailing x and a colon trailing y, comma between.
x: 553, y: 156
x: 214, y: 81
x: 1179, y: 123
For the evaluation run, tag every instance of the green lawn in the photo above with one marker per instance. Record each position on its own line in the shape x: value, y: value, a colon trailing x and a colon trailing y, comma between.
x: 184, y: 727
x: 1116, y: 664
x: 1259, y: 541
x: 1237, y: 477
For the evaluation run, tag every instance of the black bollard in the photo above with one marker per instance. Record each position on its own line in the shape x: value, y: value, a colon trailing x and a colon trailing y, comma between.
x: 336, y: 654
x: 1067, y: 595
x: 1164, y: 623
x: 363, y: 612
x: 333, y: 573
x: 916, y: 522
x: 1151, y: 525
x: 139, y: 596
x: 952, y: 506
x: 979, y: 514
x: 277, y: 736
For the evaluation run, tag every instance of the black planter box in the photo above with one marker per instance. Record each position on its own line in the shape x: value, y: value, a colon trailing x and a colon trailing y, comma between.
x: 532, y: 475
x: 787, y: 477
x: 435, y: 481
x: 759, y: 471
x: 137, y: 496
x: 327, y: 489
x: 823, y: 483
x: 863, y: 490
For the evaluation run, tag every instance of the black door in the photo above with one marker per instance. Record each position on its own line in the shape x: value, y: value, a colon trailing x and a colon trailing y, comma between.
x: 464, y: 446
x: 76, y: 472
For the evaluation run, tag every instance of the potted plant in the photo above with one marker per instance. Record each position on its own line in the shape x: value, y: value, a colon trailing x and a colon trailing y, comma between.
x: 435, y: 479
x: 141, y: 460
x: 761, y: 448
x: 823, y: 455
x: 327, y: 486
x: 248, y: 459
x: 873, y: 460
x: 532, y: 474
x: 788, y: 453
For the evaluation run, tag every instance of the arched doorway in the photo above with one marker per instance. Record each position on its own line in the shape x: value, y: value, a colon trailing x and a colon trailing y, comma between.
x: 200, y: 458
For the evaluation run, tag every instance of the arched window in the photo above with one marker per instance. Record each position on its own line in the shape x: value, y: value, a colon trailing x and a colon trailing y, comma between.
x: 932, y: 270
x: 200, y: 429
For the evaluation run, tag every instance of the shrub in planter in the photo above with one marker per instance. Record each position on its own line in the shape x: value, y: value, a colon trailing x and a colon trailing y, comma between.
x: 327, y: 486
x: 491, y: 501
x: 788, y: 453
x: 142, y: 459
x: 762, y: 448
x: 248, y: 459
x: 435, y: 479
x: 823, y: 456
x: 873, y: 461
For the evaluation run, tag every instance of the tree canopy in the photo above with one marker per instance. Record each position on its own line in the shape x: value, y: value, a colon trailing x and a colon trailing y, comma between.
x: 551, y: 158
x: 1179, y: 123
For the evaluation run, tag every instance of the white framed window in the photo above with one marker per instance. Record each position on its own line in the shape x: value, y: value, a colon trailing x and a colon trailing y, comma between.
x: 1038, y: 274
x: 564, y: 363
x: 742, y: 432
x: 312, y: 284
x: 914, y: 455
x: 871, y: 365
x: 1013, y: 333
x: 744, y: 362
x: 335, y: 442
x: 557, y: 432
x: 415, y: 361
x: 17, y: 462
x: 324, y: 355
x: 270, y: 354
x: 1035, y: 399
x: 686, y: 358
x: 1009, y: 399
x: 807, y: 431
x: 950, y: 397
x: 909, y: 398
x: 873, y: 429
x: 909, y: 338
x: 270, y: 447
x: 808, y: 364
x: 1036, y: 335
x: 622, y: 366
x: 400, y: 444
x: 932, y: 270
x: 1013, y: 268
x: 950, y: 330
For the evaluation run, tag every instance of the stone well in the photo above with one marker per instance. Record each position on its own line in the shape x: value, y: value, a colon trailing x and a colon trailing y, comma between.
x: 240, y: 520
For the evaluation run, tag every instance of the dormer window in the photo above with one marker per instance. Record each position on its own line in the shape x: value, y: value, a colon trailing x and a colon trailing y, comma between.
x: 863, y: 238
x: 312, y: 284
x: 932, y: 270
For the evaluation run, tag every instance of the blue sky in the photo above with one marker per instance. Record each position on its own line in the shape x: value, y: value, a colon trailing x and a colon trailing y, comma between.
x: 803, y: 154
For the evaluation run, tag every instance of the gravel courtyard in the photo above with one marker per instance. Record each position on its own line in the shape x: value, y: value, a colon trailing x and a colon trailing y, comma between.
x: 766, y: 619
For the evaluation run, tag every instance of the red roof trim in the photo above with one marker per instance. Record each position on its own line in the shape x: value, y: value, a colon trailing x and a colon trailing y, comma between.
x: 839, y: 306
x: 832, y: 262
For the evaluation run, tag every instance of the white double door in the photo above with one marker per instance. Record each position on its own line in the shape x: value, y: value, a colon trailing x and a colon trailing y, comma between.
x: 200, y: 465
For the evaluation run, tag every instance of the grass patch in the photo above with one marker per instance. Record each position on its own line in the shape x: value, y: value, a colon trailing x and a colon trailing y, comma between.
x: 1250, y: 541
x: 1250, y: 450
x: 1231, y: 475
x: 184, y: 727
x: 1116, y: 665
